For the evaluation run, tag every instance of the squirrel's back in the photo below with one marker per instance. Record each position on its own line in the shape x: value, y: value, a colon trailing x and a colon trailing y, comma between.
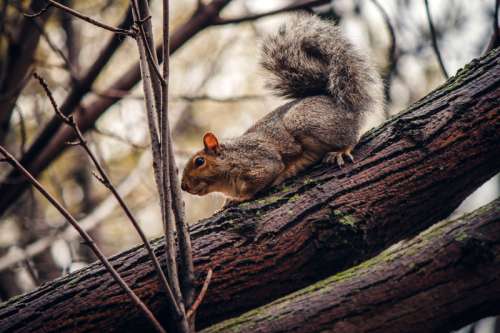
x: 309, y: 56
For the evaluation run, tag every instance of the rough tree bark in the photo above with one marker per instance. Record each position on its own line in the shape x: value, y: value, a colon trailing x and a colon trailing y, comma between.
x: 410, y: 173
x: 441, y: 280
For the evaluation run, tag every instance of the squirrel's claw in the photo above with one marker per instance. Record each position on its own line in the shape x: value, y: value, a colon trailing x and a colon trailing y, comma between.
x: 349, y: 156
x: 337, y: 158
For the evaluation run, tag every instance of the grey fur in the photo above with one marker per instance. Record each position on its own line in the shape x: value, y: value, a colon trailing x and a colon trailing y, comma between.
x: 334, y: 87
x: 309, y: 56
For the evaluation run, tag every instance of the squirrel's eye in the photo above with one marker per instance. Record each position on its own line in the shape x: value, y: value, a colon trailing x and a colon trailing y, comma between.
x: 199, y: 161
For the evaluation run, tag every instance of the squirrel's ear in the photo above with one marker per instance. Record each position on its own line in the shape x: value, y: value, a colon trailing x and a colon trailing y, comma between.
x: 210, y: 141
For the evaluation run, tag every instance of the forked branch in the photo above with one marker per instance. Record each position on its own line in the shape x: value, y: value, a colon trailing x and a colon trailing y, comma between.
x: 87, y: 239
x: 106, y: 181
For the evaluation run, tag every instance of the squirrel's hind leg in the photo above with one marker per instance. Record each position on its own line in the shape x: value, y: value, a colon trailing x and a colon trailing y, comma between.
x: 337, y: 157
x: 295, y: 166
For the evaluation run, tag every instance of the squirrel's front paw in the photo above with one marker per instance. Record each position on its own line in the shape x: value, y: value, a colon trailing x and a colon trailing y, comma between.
x: 337, y: 157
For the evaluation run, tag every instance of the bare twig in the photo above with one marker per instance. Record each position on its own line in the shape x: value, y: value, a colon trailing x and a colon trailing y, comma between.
x: 90, y: 20
x: 494, y: 41
x: 148, y: 83
x: 153, y: 55
x: 150, y: 109
x: 40, y: 12
x: 77, y: 92
x: 164, y: 188
x: 73, y: 41
x: 67, y: 64
x: 169, y: 171
x: 158, y: 103
x: 495, y: 18
x: 87, y: 239
x: 105, y: 180
x: 28, y: 264
x: 153, y: 60
x: 392, y: 49
x: 434, y: 40
x: 300, y: 5
x: 49, y: 147
x: 233, y: 99
x: 89, y: 222
x: 201, y: 295
x: 22, y: 130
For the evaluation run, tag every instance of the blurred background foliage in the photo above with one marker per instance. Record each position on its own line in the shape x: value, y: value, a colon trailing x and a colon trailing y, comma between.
x: 216, y: 84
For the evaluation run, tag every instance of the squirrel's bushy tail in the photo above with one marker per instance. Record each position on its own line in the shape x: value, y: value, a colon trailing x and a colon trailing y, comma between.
x: 309, y: 56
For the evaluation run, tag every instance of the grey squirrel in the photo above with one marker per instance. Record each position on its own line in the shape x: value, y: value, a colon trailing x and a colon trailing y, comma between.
x: 333, y: 88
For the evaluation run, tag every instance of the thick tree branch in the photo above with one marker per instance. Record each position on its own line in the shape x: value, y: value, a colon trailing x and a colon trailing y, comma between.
x: 410, y: 173
x: 443, y: 279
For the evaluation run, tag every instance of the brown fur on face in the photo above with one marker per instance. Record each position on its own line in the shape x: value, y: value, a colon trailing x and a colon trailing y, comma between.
x: 202, y: 178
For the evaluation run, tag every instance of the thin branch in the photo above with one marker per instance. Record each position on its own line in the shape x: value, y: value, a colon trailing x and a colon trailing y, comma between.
x: 73, y: 40
x: 40, y: 12
x: 434, y: 40
x: 33, y: 273
x: 87, y: 239
x: 392, y: 61
x: 170, y: 179
x: 22, y: 130
x: 41, y: 147
x: 305, y: 4
x: 494, y: 41
x: 495, y: 18
x: 201, y: 295
x: 156, y: 80
x: 153, y: 61
x: 89, y: 222
x: 105, y: 180
x: 150, y: 112
x: 156, y: 150
x: 67, y: 64
x: 233, y: 99
x: 168, y: 222
x: 90, y: 20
